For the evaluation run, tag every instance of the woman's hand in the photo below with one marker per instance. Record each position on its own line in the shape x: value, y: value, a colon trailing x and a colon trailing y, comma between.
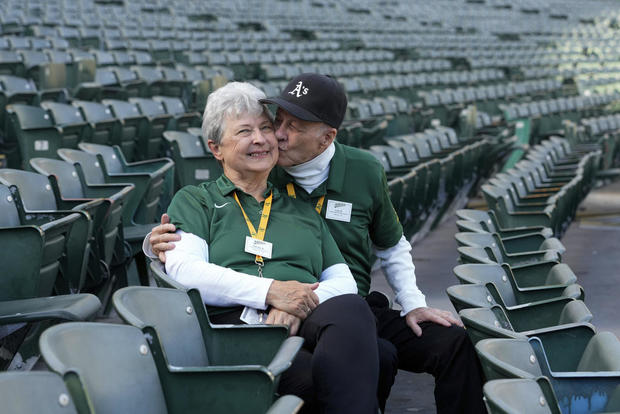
x: 293, y: 297
x: 278, y: 317
x: 162, y: 236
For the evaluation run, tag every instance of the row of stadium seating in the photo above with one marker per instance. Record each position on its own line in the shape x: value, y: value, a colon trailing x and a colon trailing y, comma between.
x: 520, y: 304
x: 135, y: 125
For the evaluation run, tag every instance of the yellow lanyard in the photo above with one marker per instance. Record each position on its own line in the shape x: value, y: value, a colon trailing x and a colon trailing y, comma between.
x: 290, y: 189
x: 262, y: 225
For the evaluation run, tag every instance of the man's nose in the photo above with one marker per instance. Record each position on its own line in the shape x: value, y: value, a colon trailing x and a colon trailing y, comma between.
x: 280, y: 131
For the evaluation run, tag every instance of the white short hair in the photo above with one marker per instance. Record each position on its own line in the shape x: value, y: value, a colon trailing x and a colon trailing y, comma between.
x: 232, y: 99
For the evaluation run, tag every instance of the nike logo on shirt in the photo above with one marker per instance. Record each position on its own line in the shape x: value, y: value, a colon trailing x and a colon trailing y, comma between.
x: 223, y: 205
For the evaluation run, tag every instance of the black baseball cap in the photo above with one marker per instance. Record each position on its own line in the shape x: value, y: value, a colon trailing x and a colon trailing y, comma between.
x: 313, y: 97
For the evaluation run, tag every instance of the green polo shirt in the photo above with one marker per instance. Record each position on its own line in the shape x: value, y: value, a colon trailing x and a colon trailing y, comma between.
x: 355, y: 177
x: 302, y: 244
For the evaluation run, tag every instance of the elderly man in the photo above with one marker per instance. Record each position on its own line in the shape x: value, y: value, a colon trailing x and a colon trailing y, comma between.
x: 348, y: 188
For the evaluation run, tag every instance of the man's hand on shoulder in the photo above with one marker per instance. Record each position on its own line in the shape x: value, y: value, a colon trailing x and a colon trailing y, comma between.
x: 162, y: 237
x: 423, y: 314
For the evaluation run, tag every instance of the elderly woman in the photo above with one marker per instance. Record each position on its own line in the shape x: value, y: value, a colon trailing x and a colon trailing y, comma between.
x: 257, y: 256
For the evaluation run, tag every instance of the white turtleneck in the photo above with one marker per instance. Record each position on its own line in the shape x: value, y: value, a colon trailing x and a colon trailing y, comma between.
x: 311, y: 174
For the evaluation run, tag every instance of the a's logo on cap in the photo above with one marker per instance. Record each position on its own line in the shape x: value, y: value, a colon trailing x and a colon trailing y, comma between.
x: 299, y: 90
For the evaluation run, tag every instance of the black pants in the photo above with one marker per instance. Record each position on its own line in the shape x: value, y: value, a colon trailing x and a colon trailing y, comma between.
x: 337, y: 370
x: 444, y: 352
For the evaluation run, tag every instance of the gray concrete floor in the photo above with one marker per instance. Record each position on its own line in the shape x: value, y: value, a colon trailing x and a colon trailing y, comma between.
x: 592, y: 243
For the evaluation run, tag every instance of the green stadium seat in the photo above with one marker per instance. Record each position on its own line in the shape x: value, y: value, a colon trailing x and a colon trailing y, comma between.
x: 193, y: 162
x: 150, y: 145
x: 11, y: 63
x: 130, y: 82
x: 182, y: 118
x: 513, y: 396
x: 106, y: 129
x: 493, y: 255
x: 73, y: 125
x: 140, y: 386
x: 496, y: 322
x: 38, y: 194
x: 107, y: 246
x: 30, y: 133
x: 163, y: 313
x: 34, y: 392
x: 487, y: 220
x: 528, y: 284
x: 29, y: 281
x: 584, y: 372
x: 511, y: 247
x: 103, y: 164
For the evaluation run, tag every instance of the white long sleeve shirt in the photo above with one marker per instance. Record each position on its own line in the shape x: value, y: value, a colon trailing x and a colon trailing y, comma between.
x: 188, y: 264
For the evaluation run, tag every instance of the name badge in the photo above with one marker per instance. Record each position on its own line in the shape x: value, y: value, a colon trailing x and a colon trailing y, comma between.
x: 338, y: 210
x: 258, y: 247
x: 251, y: 316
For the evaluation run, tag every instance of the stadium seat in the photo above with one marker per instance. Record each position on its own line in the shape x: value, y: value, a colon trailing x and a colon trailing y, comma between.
x: 38, y: 194
x: 103, y: 164
x: 130, y: 82
x: 31, y: 133
x: 140, y: 386
x: 182, y: 118
x: 513, y: 396
x: 529, y: 283
x: 34, y: 392
x: 163, y: 313
x: 584, y: 372
x: 106, y: 129
x: 29, y: 281
x: 107, y: 247
x: 150, y: 144
x: 193, y: 163
x: 510, y: 246
x: 495, y: 322
x: 487, y: 221
x: 73, y: 125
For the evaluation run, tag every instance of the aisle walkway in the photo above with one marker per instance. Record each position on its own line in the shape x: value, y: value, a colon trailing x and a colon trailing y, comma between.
x: 592, y: 251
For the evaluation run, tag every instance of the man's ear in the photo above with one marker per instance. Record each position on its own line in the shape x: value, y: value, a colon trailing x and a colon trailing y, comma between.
x: 215, y: 149
x: 328, y: 136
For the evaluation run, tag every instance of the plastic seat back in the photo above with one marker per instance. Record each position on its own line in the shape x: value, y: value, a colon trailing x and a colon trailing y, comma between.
x: 601, y: 354
x: 31, y: 117
x: 508, y: 358
x: 89, y: 163
x: 170, y: 313
x: 34, y: 392
x: 35, y: 189
x: 172, y: 105
x: 122, y: 109
x: 94, y: 111
x: 149, y: 107
x: 189, y: 145
x: 109, y: 364
x: 112, y: 162
x: 66, y: 176
x: 509, y: 396
x: 64, y: 114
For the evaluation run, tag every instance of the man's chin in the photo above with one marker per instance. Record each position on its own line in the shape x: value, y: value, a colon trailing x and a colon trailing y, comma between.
x: 284, y: 162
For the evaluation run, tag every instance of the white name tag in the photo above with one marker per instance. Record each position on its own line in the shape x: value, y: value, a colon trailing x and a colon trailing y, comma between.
x: 252, y: 316
x: 338, y: 210
x: 258, y: 247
